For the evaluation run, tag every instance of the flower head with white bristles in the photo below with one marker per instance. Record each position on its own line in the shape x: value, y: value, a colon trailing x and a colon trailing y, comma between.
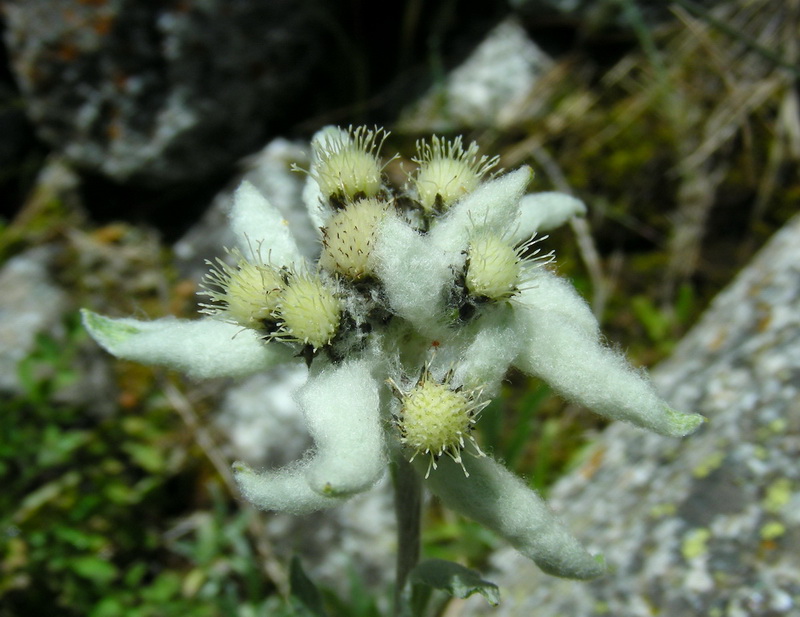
x: 447, y: 262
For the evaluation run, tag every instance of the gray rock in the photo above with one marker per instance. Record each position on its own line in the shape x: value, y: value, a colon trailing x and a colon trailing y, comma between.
x: 706, y: 526
x: 270, y: 171
x: 486, y: 88
x: 600, y: 14
x: 158, y: 93
x: 31, y: 303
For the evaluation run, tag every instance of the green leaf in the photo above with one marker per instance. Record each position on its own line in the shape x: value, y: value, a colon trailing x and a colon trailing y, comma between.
x: 455, y: 579
x: 304, y: 590
x: 94, y: 569
x: 107, y: 331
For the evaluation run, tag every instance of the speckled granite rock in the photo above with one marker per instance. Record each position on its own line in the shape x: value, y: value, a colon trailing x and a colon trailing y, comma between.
x: 158, y: 92
x: 708, y: 526
x: 270, y: 171
x: 596, y: 14
x: 30, y: 304
x: 486, y: 88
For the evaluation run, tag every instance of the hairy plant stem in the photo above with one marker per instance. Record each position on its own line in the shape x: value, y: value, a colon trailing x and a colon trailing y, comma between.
x: 408, y: 510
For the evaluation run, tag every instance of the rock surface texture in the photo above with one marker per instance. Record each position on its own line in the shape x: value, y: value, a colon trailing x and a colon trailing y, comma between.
x: 487, y: 88
x: 708, y: 526
x: 158, y: 92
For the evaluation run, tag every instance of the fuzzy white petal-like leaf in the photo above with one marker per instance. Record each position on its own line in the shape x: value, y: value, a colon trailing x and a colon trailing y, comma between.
x: 415, y: 274
x: 283, y: 490
x: 544, y: 211
x: 545, y: 291
x: 341, y: 406
x: 585, y: 371
x: 493, y: 207
x: 490, y: 348
x: 261, y: 228
x: 496, y: 498
x: 201, y: 348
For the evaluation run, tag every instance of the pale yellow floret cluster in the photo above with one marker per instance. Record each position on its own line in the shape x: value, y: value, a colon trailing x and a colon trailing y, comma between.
x: 349, y: 237
x: 348, y: 165
x: 447, y: 172
x: 308, y: 312
x: 493, y: 268
x: 436, y: 419
x: 291, y: 307
x: 245, y: 294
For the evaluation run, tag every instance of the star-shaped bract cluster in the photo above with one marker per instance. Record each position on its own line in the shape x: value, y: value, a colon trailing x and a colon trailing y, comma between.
x: 421, y: 301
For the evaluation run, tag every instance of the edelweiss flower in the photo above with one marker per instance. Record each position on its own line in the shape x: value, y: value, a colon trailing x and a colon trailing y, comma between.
x: 397, y: 280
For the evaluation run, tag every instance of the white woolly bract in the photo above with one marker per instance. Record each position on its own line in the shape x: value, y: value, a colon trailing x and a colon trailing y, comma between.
x: 492, y: 207
x: 485, y: 350
x: 547, y: 292
x: 414, y: 273
x: 202, y: 348
x: 283, y: 490
x: 501, y: 501
x: 583, y: 370
x: 545, y: 211
x: 341, y: 407
x: 260, y: 226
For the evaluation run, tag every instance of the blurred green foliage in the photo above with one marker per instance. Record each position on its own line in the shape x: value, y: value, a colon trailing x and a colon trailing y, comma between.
x: 100, y: 516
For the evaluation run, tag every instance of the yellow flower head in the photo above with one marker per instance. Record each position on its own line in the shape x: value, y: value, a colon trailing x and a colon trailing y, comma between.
x: 349, y: 237
x: 347, y: 166
x: 447, y: 172
x: 245, y: 293
x: 435, y: 419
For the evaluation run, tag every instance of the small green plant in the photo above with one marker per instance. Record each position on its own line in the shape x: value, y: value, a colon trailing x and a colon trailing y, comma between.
x: 87, y: 502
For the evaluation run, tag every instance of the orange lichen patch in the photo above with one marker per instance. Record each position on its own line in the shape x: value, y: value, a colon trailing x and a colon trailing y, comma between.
x: 113, y: 130
x: 128, y: 399
x: 102, y: 24
x: 768, y: 545
x: 764, y: 320
x: 110, y: 234
x: 719, y: 340
x: 184, y: 297
x: 67, y: 51
x: 593, y: 464
x: 120, y: 80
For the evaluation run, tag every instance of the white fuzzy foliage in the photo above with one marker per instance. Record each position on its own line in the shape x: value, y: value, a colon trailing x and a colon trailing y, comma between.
x: 415, y: 274
x: 583, y: 370
x: 341, y: 407
x: 547, y: 292
x: 498, y: 499
x: 545, y: 211
x: 487, y: 351
x: 202, y: 348
x: 260, y: 228
x: 493, y: 207
x: 283, y: 490
x: 385, y: 294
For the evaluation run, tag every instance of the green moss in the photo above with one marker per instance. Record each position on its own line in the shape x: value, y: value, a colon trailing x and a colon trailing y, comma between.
x: 772, y: 530
x: 709, y: 464
x: 695, y: 543
x: 778, y: 495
